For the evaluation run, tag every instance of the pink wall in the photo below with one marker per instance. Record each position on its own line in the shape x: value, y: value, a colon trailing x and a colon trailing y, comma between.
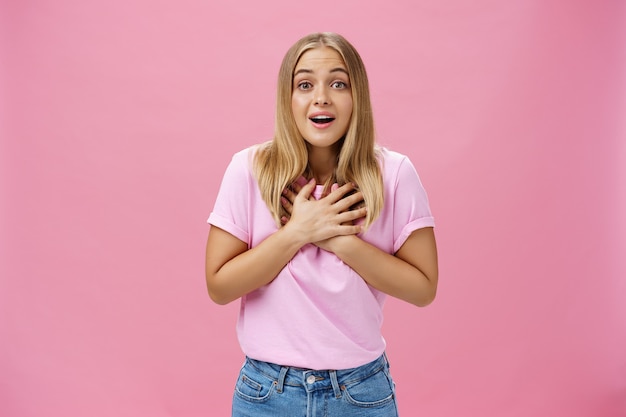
x: 118, y: 119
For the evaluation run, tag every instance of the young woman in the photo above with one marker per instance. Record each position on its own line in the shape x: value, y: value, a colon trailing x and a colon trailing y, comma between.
x: 311, y: 231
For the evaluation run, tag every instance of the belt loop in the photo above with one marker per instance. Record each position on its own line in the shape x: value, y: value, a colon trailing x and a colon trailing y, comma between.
x: 335, y: 383
x: 281, y: 379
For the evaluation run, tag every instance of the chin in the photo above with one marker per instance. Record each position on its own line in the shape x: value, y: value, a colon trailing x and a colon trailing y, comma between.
x: 322, y: 143
x: 324, y: 140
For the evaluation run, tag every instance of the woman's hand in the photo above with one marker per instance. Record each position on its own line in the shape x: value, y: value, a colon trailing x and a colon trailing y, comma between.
x: 319, y: 221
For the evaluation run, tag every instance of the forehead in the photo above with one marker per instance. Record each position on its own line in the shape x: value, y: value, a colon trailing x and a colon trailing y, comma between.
x: 319, y: 59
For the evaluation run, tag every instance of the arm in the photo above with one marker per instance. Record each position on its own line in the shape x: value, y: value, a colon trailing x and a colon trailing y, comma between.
x: 410, y: 275
x: 233, y: 270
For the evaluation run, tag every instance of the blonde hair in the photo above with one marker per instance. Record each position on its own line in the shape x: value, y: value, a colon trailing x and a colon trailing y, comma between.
x: 279, y: 162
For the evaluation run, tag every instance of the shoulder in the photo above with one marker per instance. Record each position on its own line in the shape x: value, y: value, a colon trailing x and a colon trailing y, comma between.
x: 240, y: 168
x: 393, y: 161
x: 245, y: 155
x: 391, y: 156
x: 244, y: 158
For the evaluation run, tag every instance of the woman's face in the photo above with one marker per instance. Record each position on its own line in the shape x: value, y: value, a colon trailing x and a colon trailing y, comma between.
x: 322, y: 98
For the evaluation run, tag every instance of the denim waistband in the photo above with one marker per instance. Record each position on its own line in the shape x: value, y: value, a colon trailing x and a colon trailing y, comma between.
x: 312, y: 379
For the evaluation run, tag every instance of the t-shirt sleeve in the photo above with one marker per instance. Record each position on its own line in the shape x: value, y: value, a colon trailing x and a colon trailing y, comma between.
x: 230, y: 211
x: 411, y: 207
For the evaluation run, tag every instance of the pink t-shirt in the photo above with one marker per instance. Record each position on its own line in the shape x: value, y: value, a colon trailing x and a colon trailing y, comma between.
x: 318, y: 313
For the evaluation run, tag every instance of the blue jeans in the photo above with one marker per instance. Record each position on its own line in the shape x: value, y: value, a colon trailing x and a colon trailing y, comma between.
x: 268, y: 390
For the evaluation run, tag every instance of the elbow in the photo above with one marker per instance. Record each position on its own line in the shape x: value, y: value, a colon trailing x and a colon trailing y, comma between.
x: 217, y: 295
x: 426, y: 297
x: 218, y: 298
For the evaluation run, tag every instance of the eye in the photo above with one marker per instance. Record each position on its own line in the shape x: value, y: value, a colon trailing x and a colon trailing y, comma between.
x: 304, y: 85
x: 339, y: 85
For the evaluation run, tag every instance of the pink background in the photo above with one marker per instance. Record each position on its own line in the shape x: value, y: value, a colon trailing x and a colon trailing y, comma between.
x: 119, y: 117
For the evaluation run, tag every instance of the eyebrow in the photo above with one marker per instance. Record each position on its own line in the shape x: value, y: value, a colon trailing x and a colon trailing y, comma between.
x: 308, y: 71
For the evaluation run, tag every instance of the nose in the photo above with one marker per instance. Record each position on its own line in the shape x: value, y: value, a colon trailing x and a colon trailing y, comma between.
x: 321, y: 97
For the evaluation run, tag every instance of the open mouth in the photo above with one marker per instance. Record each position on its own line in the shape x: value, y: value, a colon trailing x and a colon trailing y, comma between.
x: 322, y: 120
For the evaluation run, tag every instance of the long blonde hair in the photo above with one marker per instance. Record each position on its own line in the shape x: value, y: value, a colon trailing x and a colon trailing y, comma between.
x: 279, y: 162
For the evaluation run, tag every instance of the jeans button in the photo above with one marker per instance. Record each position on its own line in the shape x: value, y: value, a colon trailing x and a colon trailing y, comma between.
x: 310, y: 379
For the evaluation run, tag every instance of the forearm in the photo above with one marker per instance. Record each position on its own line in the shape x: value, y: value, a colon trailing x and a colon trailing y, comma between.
x: 233, y: 270
x: 416, y: 284
x: 251, y: 269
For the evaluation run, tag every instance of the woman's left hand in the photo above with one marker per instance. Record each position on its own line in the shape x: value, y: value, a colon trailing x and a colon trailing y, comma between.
x: 288, y: 201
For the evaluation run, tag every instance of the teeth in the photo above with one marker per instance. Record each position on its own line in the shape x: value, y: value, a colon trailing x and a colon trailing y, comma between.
x: 322, y: 119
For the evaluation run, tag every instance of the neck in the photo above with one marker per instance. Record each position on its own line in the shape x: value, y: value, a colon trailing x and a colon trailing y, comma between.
x: 322, y: 162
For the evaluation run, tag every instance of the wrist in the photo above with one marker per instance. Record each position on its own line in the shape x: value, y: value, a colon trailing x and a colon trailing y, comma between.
x: 342, y: 245
x: 292, y: 236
